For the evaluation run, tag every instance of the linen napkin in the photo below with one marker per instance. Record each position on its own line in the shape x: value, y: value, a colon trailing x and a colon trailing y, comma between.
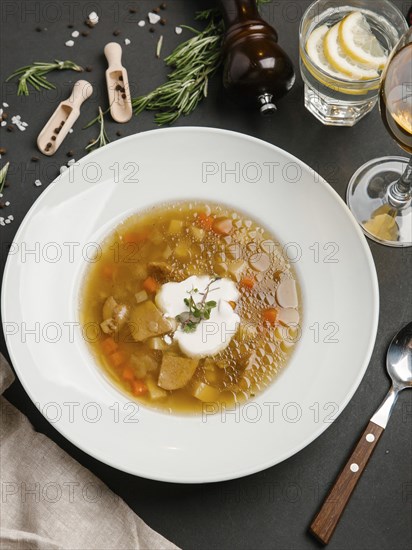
x: 49, y: 501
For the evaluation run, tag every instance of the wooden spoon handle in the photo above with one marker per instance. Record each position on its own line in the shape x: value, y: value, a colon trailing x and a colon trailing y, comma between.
x: 82, y: 90
x: 113, y: 53
x: 329, y: 515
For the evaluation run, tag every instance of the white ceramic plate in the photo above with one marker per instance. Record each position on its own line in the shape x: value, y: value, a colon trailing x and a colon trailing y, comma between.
x: 45, y: 268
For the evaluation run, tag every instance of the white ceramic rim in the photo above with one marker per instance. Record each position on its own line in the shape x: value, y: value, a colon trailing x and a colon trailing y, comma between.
x: 250, y: 469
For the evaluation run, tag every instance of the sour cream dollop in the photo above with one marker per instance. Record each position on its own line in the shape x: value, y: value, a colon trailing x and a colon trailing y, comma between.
x: 212, y: 335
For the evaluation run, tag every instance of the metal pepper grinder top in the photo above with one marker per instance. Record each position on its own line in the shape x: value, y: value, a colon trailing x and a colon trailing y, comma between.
x: 256, y: 71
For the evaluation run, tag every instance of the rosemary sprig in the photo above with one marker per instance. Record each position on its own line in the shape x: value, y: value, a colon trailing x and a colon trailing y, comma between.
x: 96, y: 119
x: 35, y: 75
x: 3, y: 175
x: 193, y: 62
x: 198, y: 311
x: 102, y: 138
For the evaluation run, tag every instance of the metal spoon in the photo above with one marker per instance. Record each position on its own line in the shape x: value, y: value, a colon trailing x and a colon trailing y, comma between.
x: 399, y: 367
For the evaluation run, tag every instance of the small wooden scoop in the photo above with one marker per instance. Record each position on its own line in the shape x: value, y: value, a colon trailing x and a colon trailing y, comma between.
x: 117, y: 84
x: 63, y: 118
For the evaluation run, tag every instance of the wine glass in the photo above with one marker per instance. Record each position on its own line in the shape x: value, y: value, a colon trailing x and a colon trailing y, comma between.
x: 380, y: 192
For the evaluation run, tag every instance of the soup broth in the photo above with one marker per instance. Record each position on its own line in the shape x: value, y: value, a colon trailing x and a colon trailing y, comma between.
x: 192, y: 304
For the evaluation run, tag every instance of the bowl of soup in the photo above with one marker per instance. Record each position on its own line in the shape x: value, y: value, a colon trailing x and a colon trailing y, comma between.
x: 190, y: 304
x: 193, y: 304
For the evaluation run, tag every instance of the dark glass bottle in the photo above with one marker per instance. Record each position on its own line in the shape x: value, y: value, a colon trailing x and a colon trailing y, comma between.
x: 256, y: 70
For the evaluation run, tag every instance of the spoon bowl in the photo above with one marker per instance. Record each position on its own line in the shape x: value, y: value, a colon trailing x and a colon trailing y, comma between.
x: 399, y: 358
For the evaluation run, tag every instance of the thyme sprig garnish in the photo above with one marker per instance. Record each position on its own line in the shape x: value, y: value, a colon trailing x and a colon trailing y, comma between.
x: 3, y: 175
x: 198, y: 311
x: 102, y: 139
x: 193, y: 62
x: 35, y: 74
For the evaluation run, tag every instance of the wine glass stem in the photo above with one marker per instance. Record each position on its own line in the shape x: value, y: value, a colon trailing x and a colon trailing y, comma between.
x: 400, y: 192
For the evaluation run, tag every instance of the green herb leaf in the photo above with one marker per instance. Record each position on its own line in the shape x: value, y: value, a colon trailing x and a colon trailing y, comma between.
x: 189, y: 320
x: 102, y: 138
x: 3, y: 175
x: 35, y: 75
x: 190, y: 327
x: 96, y: 119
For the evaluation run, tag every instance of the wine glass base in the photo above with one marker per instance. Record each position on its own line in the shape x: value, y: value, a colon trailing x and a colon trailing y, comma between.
x: 367, y: 198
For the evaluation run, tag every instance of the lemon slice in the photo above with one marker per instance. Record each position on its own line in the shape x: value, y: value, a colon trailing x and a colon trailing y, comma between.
x: 314, y: 48
x: 359, y: 42
x: 340, y: 61
x: 382, y: 226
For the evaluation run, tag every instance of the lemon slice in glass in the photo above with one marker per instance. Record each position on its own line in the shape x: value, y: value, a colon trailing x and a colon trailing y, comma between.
x: 341, y: 61
x: 314, y: 48
x: 359, y: 42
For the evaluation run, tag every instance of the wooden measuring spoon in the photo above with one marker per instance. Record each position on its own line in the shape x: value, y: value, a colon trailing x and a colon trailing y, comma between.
x: 63, y: 118
x: 117, y: 84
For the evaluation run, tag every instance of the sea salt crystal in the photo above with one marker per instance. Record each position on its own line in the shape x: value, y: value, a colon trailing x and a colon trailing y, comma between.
x: 7, y: 203
x: 25, y: 124
x: 126, y: 41
x: 75, y: 34
x: 2, y: 222
x: 71, y: 131
x: 3, y: 123
x: 69, y: 43
x: 153, y: 18
x: 70, y: 162
x: 178, y: 30
x: 5, y: 104
x: 142, y: 23
x: 63, y: 169
x: 37, y: 183
x: 17, y: 121
x: 11, y: 217
x: 93, y: 18
x: 7, y: 221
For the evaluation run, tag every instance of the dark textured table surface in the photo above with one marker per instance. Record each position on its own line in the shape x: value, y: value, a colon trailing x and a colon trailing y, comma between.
x: 273, y: 508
